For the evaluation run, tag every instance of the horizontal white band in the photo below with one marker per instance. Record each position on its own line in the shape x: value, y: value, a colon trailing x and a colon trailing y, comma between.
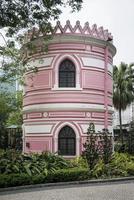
x: 39, y: 62
x: 94, y: 62
x: 65, y: 106
x: 38, y: 128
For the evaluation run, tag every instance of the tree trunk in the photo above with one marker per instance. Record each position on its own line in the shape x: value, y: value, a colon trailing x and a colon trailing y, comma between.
x: 121, y: 132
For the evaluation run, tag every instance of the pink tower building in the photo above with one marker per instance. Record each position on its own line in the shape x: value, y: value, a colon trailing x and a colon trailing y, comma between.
x: 72, y: 87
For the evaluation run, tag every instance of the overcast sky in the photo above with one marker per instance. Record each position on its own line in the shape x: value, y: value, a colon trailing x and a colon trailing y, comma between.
x: 115, y: 15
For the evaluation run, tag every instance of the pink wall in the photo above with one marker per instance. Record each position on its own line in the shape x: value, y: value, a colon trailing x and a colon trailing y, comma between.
x: 38, y: 144
x: 39, y: 80
x: 93, y: 86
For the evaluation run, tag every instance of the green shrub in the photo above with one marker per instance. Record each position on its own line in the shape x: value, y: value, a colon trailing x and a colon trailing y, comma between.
x: 80, y: 162
x: 98, y: 170
x: 7, y: 180
x: 130, y: 168
x: 12, y: 162
x: 120, y: 164
x: 63, y: 175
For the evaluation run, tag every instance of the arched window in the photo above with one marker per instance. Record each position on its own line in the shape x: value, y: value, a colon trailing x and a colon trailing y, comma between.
x: 67, y: 141
x: 67, y: 74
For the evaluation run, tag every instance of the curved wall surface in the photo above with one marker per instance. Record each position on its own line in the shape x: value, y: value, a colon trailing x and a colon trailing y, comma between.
x: 48, y: 107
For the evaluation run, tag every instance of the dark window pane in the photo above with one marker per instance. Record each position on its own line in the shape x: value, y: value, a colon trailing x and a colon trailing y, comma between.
x: 67, y: 74
x: 67, y: 141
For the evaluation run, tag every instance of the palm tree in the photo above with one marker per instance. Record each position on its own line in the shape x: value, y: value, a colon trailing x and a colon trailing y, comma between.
x: 123, y: 93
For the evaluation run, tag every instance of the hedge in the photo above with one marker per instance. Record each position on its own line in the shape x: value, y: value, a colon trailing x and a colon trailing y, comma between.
x: 63, y: 175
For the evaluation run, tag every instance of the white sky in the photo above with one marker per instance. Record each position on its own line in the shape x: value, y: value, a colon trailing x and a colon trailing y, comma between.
x: 115, y: 15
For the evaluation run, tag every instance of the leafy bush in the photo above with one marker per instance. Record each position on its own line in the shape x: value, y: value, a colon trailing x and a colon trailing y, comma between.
x: 97, y: 145
x: 91, y: 150
x: 63, y: 175
x: 9, y: 180
x: 121, y: 148
x: 120, y: 165
x: 80, y: 162
x: 130, y: 169
x: 32, y: 164
x: 98, y: 170
x: 24, y: 169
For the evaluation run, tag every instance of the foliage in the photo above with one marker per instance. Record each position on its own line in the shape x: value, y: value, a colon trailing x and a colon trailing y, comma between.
x: 31, y: 164
x: 130, y: 139
x: 97, y: 145
x: 10, y: 180
x: 12, y: 66
x: 120, y: 165
x: 15, y: 117
x: 99, y: 169
x: 56, y: 169
x: 79, y: 162
x: 6, y: 107
x: 21, y: 14
x: 91, y: 150
x: 61, y: 175
x: 10, y: 113
x: 17, y: 17
x: 107, y: 146
x: 123, y: 93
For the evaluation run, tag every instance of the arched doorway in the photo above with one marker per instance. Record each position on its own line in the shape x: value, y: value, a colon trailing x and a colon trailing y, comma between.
x: 67, y: 141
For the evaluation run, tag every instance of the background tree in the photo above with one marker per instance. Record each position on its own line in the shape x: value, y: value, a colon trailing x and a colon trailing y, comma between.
x: 10, y: 113
x: 5, y: 109
x: 15, y: 116
x: 123, y: 93
x: 16, y: 15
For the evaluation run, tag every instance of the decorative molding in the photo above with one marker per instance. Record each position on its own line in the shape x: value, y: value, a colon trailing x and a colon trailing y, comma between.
x: 34, y: 115
x: 86, y: 30
x: 56, y: 131
x: 39, y: 62
x: 38, y: 128
x: 56, y: 62
x: 93, y: 62
x: 88, y: 114
x: 45, y: 114
x: 66, y: 114
x: 65, y: 107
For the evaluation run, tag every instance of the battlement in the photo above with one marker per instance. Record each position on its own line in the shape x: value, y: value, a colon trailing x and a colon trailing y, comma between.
x: 68, y: 29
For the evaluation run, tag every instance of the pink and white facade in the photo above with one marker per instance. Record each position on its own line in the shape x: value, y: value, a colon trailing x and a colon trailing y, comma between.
x: 52, y: 107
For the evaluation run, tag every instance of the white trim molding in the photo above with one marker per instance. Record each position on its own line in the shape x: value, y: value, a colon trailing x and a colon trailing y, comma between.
x: 56, y: 63
x: 38, y: 128
x: 39, y: 62
x: 56, y: 133
x: 97, y: 63
x: 65, y: 107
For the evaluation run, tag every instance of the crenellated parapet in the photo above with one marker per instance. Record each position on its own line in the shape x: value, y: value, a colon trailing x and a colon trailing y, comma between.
x: 68, y: 29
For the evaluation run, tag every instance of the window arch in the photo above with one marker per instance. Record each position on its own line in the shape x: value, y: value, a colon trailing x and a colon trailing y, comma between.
x: 67, y: 141
x: 67, y: 74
